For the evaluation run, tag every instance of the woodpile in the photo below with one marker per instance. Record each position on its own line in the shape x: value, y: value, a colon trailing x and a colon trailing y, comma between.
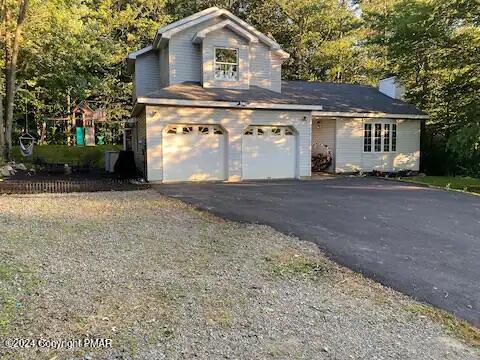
x: 321, y: 162
x: 321, y: 157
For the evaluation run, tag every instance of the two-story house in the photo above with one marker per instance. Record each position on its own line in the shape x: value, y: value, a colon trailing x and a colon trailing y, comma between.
x: 210, y: 104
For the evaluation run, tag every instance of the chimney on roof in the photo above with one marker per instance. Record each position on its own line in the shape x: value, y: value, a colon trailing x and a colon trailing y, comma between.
x: 392, y: 87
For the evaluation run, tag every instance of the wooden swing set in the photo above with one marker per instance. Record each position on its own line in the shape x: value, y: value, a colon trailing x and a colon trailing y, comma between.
x: 81, y: 122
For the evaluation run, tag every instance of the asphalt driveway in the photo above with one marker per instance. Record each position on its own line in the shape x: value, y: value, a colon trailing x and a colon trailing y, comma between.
x: 421, y: 241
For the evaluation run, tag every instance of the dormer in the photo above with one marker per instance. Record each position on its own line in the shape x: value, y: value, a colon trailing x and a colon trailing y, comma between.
x: 212, y: 47
x: 225, y: 48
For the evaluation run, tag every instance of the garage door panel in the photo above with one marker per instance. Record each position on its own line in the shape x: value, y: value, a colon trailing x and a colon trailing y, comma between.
x: 268, y: 154
x: 194, y: 156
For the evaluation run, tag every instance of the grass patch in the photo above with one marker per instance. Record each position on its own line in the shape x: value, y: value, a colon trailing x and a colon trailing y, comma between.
x: 63, y: 154
x: 448, y: 182
x: 217, y: 312
x: 290, y: 263
x: 460, y: 328
x: 16, y: 283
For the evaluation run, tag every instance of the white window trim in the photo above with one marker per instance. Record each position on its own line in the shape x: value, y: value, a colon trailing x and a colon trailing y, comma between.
x: 382, y: 123
x: 215, y: 62
x: 372, y: 129
x: 391, y: 137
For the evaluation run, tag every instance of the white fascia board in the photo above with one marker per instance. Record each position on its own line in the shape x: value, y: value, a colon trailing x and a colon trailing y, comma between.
x: 135, y: 54
x: 200, y: 36
x: 226, y: 104
x: 368, y: 115
x: 187, y: 19
x: 164, y: 34
x: 281, y: 54
x: 273, y: 44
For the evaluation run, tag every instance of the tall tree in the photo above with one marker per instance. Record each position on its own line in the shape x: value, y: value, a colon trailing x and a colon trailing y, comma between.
x: 12, y: 15
x: 434, y: 47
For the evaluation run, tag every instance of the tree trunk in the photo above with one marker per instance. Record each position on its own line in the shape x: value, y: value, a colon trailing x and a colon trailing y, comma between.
x: 11, y: 74
x: 43, y: 133
x: 2, y: 130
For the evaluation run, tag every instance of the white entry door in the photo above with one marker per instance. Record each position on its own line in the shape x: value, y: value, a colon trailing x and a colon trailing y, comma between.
x: 194, y: 153
x: 269, y: 152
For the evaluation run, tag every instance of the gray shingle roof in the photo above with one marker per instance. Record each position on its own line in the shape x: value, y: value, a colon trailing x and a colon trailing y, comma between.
x: 333, y: 97
x: 194, y: 91
x: 347, y: 98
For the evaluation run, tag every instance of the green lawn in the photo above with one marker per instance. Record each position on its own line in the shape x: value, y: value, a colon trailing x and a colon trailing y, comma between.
x: 450, y: 182
x: 73, y: 155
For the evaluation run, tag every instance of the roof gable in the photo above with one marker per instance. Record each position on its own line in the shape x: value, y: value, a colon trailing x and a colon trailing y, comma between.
x: 200, y: 36
x: 234, y: 23
x: 190, y: 18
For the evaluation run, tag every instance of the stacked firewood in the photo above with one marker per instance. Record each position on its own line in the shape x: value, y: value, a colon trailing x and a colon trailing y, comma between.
x: 321, y: 157
x: 321, y: 162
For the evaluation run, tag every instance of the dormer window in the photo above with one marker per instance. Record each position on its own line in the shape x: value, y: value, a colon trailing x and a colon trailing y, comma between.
x: 226, y: 64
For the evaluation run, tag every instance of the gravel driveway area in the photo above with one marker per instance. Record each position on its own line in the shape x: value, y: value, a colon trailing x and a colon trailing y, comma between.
x: 163, y: 280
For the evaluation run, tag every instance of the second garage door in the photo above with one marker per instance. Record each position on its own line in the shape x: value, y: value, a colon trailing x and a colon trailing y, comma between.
x: 269, y: 152
x: 194, y: 153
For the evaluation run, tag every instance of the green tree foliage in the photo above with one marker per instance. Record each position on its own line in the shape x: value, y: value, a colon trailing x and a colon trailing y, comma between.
x: 434, y: 47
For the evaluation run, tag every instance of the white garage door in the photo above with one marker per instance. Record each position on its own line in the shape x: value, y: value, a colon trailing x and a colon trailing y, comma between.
x: 269, y: 152
x: 194, y: 153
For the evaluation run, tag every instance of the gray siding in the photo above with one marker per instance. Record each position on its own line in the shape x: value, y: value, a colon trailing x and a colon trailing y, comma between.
x: 147, y: 74
x: 234, y: 121
x: 164, y: 67
x: 185, y: 57
x: 350, y: 156
x: 276, y: 75
x: 228, y: 39
x: 191, y: 62
x: 260, y: 66
x: 323, y: 132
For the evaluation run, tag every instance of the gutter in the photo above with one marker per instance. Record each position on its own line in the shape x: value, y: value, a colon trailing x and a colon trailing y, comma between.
x: 368, y: 115
x: 226, y: 104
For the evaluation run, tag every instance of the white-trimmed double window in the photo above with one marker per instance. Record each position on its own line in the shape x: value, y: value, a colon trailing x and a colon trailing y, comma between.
x: 226, y: 64
x: 379, y: 137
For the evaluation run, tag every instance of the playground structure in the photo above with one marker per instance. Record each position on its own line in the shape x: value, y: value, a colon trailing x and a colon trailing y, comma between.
x: 84, y: 119
x: 80, y: 126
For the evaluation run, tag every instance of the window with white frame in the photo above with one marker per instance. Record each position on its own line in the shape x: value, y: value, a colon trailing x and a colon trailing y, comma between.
x: 386, y: 137
x: 367, y: 138
x: 394, y: 137
x: 380, y: 137
x: 226, y: 64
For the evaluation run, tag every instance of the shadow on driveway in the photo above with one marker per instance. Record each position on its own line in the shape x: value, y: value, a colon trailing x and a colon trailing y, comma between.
x: 423, y: 242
